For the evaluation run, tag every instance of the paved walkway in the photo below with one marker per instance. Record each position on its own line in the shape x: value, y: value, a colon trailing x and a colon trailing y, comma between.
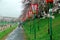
x: 17, y: 34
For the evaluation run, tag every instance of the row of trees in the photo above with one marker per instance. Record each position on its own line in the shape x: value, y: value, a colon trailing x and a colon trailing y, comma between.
x: 37, y: 9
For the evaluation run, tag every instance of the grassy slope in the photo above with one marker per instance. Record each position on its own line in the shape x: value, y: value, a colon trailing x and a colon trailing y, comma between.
x: 5, y: 32
x: 42, y: 34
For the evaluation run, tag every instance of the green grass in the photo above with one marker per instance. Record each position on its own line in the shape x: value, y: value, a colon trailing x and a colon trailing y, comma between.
x: 42, y: 34
x: 8, y: 30
x: 3, y: 22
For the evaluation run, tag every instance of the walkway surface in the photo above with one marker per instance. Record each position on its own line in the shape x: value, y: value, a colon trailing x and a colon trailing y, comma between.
x: 17, y: 34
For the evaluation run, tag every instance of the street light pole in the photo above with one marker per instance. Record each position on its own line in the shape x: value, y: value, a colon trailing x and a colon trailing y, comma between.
x: 50, y: 20
x: 34, y: 27
x: 30, y: 27
x: 50, y: 5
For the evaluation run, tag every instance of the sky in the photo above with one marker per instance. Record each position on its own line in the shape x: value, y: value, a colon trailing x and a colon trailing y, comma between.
x: 11, y: 8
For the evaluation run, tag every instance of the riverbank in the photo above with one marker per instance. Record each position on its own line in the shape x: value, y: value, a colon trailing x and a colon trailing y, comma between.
x: 4, y: 33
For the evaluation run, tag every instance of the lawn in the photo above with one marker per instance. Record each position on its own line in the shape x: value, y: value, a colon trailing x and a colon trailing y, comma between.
x: 42, y: 33
x: 7, y: 31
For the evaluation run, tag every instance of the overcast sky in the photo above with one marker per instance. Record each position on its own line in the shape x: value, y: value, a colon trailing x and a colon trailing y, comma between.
x: 10, y: 8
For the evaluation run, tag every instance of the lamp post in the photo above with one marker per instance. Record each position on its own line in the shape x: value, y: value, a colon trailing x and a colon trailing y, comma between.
x: 35, y: 12
x: 30, y: 15
x: 34, y: 27
x: 50, y: 20
x: 50, y: 5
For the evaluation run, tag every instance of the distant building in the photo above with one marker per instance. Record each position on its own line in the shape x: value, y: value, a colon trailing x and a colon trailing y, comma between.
x: 8, y: 19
